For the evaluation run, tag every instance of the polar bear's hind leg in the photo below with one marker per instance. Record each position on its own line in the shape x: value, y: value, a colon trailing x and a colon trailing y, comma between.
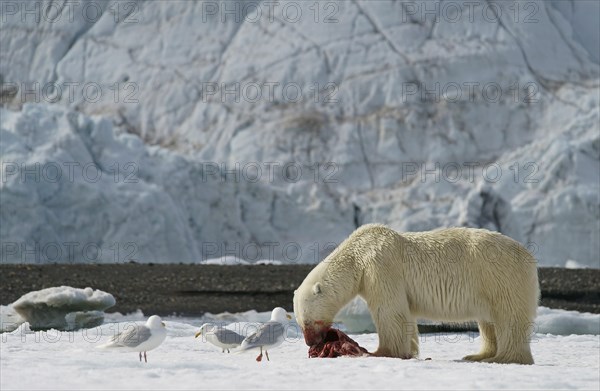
x: 513, y: 342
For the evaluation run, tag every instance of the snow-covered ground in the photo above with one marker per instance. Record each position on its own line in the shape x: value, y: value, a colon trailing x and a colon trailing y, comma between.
x: 69, y: 361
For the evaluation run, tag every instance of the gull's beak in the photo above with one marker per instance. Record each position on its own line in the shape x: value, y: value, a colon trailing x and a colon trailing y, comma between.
x: 163, y: 324
x: 199, y: 333
x: 288, y: 316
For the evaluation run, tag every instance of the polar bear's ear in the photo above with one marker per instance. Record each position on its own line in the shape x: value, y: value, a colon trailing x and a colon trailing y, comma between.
x: 317, y: 288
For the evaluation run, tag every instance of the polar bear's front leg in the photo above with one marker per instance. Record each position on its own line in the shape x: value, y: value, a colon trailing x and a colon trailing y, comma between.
x: 488, y: 340
x: 397, y: 331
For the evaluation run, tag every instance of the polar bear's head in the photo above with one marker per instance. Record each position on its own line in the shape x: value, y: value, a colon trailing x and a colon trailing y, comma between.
x: 324, y: 291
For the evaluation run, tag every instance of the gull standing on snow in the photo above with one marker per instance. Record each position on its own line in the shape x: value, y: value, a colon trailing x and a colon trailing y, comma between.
x: 220, y: 336
x: 269, y: 335
x: 139, y: 338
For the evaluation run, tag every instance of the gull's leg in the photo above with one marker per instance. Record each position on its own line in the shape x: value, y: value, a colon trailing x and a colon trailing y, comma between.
x: 259, y: 358
x: 223, y: 350
x: 140, y: 356
x: 267, y: 354
x: 228, y: 350
x: 145, y: 359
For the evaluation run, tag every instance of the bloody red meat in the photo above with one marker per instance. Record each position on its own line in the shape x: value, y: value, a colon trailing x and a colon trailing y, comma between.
x: 336, y: 343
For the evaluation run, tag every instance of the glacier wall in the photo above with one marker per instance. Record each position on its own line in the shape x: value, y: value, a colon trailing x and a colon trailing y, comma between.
x: 184, y: 131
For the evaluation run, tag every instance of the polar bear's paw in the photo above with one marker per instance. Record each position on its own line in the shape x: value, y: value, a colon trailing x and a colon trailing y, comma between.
x: 476, y: 357
x: 525, y: 359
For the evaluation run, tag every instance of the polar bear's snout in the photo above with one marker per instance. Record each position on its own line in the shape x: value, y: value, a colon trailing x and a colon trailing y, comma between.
x: 314, y: 332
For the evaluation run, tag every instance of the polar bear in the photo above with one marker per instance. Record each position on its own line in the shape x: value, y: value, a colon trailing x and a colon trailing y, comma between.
x: 453, y: 274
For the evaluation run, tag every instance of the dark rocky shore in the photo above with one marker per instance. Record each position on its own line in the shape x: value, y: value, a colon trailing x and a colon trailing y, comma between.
x: 192, y: 290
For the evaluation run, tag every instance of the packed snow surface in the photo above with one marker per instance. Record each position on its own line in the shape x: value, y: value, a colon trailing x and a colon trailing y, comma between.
x: 69, y: 361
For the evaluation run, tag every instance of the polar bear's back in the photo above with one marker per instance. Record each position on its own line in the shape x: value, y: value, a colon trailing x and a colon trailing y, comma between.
x: 444, y: 246
x: 473, y: 246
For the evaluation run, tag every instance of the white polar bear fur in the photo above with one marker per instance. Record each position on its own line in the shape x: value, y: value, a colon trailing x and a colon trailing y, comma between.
x: 454, y: 274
